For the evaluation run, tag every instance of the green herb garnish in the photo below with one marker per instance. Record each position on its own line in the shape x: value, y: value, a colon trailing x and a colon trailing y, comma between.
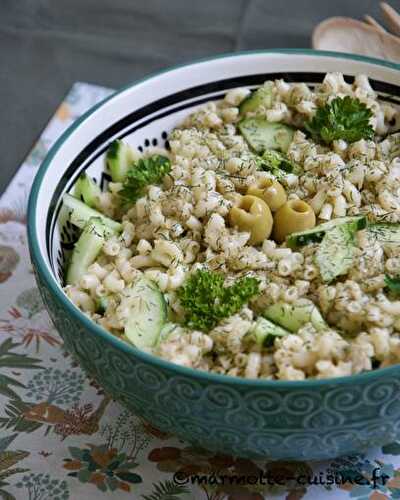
x: 344, y: 118
x: 393, y: 284
x: 206, y: 301
x: 143, y: 173
x: 276, y: 162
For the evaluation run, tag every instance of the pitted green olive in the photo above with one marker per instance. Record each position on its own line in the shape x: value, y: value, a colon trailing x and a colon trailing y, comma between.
x: 269, y: 190
x: 253, y: 215
x: 293, y: 216
x: 234, y: 198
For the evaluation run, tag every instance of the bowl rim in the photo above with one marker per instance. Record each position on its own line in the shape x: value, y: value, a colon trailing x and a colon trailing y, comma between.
x: 119, y: 344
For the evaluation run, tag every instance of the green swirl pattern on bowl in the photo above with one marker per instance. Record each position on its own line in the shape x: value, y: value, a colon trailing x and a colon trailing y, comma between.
x: 255, y: 419
x: 289, y: 422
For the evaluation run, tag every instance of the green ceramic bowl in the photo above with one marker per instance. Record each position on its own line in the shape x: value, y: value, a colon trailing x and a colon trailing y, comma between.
x: 313, y: 419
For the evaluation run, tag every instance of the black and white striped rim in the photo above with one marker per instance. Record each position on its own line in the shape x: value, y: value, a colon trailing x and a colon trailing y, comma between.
x: 171, y: 104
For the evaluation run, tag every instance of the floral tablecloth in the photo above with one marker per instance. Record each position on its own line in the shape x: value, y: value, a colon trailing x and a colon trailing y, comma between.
x: 62, y: 437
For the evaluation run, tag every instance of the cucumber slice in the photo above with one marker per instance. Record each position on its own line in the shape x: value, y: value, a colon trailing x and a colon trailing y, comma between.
x: 265, y: 332
x: 259, y: 97
x: 393, y: 285
x: 261, y: 134
x: 384, y: 232
x: 87, y: 190
x: 335, y: 255
x: 148, y: 313
x: 317, y: 234
x: 166, y: 331
x: 86, y: 249
x: 294, y: 316
x: 119, y: 158
x: 81, y: 213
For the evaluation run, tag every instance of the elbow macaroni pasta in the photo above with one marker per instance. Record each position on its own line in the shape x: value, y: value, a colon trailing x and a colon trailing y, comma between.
x: 181, y: 225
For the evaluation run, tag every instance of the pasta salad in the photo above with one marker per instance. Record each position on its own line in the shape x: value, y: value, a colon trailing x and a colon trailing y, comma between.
x: 263, y: 243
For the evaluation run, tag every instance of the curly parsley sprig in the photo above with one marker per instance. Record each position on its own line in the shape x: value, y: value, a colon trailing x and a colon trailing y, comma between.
x: 344, y: 118
x: 143, y: 173
x: 277, y: 163
x: 207, y: 301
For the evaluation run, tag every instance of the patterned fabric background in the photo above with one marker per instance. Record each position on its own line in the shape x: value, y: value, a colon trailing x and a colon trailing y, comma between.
x: 61, y: 437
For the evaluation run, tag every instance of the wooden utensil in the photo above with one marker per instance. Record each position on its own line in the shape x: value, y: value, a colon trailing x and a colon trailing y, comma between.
x: 392, y: 17
x: 349, y: 35
x: 374, y: 23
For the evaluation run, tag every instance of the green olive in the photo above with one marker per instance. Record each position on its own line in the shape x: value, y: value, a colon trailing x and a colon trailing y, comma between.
x: 293, y: 216
x: 271, y: 191
x: 253, y: 215
x: 234, y: 197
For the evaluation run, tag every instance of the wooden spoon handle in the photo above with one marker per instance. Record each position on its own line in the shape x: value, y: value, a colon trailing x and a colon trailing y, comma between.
x: 349, y: 35
x: 392, y: 17
x: 374, y: 23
